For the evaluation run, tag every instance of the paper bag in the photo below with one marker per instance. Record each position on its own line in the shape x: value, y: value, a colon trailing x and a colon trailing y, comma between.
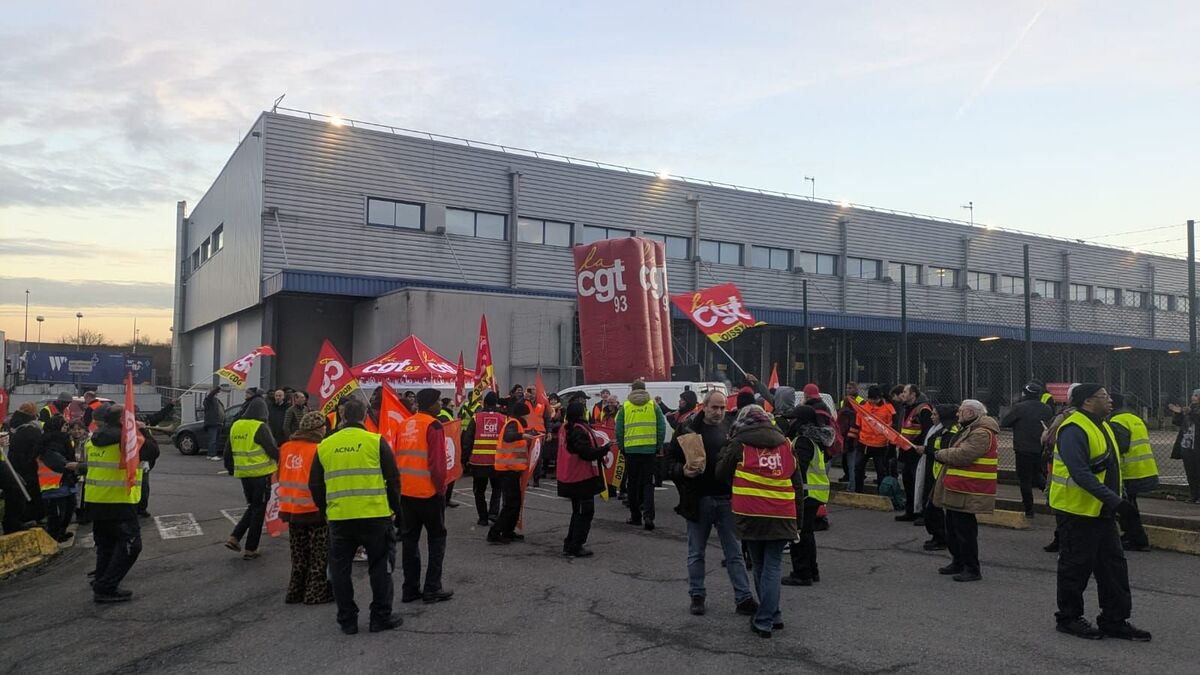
x: 693, y: 450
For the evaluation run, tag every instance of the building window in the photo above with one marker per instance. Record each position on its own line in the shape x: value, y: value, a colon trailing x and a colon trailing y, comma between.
x: 862, y: 268
x: 1012, y: 285
x: 981, y: 281
x: 1046, y: 288
x: 1107, y: 296
x: 1162, y: 302
x: 770, y: 258
x: 476, y: 224
x: 548, y: 232
x: 818, y: 263
x: 593, y: 233
x: 912, y: 273
x: 1079, y: 292
x: 1133, y: 298
x: 204, y: 250
x: 1182, y: 305
x: 389, y: 213
x: 218, y: 238
x: 946, y: 277
x: 679, y: 248
x: 195, y: 260
x: 721, y: 252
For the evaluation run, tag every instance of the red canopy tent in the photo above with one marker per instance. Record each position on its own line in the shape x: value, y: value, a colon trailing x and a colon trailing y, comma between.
x: 411, y: 363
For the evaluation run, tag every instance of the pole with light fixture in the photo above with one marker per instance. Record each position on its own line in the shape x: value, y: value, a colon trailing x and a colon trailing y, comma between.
x: 40, y: 319
x: 970, y: 206
x: 903, y: 374
x: 78, y: 331
x: 1191, y: 366
x: 1028, y: 321
x: 807, y: 332
x: 26, y: 340
x: 813, y: 180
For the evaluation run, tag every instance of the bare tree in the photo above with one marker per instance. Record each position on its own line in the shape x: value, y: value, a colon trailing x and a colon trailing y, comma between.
x: 85, y: 338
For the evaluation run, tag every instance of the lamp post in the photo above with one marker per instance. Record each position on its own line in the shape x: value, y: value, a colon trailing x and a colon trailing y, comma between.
x: 40, y: 319
x: 26, y: 341
x: 813, y: 180
x: 78, y: 331
x: 970, y: 206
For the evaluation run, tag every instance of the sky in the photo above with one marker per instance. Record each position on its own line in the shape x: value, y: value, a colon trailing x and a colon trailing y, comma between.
x: 1071, y: 118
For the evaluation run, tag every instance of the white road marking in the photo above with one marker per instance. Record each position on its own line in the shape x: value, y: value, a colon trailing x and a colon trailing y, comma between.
x: 177, y: 526
x: 234, y: 515
x: 86, y: 541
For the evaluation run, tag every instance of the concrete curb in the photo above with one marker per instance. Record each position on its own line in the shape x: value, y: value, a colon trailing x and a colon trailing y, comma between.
x: 21, y: 550
x: 1169, y: 539
x: 862, y: 500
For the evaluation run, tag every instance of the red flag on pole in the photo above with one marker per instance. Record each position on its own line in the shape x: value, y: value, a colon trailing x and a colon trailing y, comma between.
x: 454, y: 467
x: 485, y: 374
x: 718, y: 311
x: 772, y: 385
x: 237, y: 371
x: 331, y: 378
x: 392, y: 414
x: 460, y: 382
x: 542, y: 399
x: 131, y: 440
x: 894, y: 437
x: 535, y: 456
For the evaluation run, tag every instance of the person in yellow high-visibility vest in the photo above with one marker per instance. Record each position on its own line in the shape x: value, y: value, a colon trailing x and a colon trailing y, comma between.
x: 251, y: 457
x: 811, y: 437
x: 1139, y: 471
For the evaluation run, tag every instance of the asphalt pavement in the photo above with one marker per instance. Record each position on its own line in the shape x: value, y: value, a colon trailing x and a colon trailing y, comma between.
x: 880, y: 607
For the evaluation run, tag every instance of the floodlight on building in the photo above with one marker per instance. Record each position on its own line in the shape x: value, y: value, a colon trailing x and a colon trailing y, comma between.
x: 1174, y: 351
x: 844, y: 204
x: 816, y: 328
x: 663, y: 174
x: 337, y: 121
x: 1123, y: 348
x: 990, y: 338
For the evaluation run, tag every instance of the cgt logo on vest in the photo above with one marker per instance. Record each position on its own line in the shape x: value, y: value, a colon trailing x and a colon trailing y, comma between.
x: 294, y: 462
x: 491, y: 427
x: 771, y: 461
x: 603, y: 281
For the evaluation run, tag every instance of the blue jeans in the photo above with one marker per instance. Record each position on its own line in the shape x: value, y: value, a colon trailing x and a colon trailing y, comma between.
x: 213, y: 434
x: 853, y: 452
x: 768, y: 571
x: 716, y: 511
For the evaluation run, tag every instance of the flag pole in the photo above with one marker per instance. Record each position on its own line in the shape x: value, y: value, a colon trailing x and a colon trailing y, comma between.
x: 731, y: 360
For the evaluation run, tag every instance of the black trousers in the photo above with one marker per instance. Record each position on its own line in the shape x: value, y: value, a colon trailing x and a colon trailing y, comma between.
x: 582, y: 511
x: 417, y: 514
x: 375, y: 535
x: 118, y: 544
x: 908, y: 475
x: 1092, y: 547
x: 1131, y: 525
x: 962, y: 538
x: 58, y: 514
x: 1191, y: 468
x: 1030, y: 476
x: 935, y: 518
x: 257, y: 492
x: 804, y: 553
x: 481, y: 477
x: 144, y: 502
x: 509, y: 486
x: 639, y: 469
x: 878, y: 457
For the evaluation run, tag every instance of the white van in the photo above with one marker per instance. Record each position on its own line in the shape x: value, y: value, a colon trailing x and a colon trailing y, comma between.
x: 668, y: 391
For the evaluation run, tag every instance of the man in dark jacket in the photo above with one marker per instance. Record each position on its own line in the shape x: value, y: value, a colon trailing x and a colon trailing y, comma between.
x: 1028, y: 419
x: 24, y: 444
x: 916, y: 421
x: 56, y: 407
x: 704, y: 501
x: 16, y: 495
x: 247, y: 436
x: 214, y: 418
x: 295, y: 412
x: 277, y: 409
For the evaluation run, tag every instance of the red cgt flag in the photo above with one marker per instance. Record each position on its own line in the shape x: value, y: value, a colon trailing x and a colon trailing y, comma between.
x: 460, y: 382
x: 542, y: 399
x: 454, y: 467
x: 331, y: 378
x: 485, y: 374
x: 880, y: 426
x: 718, y: 311
x: 131, y: 440
x: 392, y: 414
x: 237, y: 371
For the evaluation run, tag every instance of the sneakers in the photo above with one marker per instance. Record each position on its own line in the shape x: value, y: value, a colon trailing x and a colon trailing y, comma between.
x: 410, y: 597
x: 747, y: 607
x: 233, y: 545
x: 758, y: 631
x: 950, y: 569
x: 251, y: 555
x: 636, y: 522
x: 580, y: 552
x: 967, y: 576
x: 1125, y: 631
x: 1080, y: 628
x: 483, y: 522
x: 497, y: 539
x: 436, y: 596
x: 790, y: 580
x: 214, y: 458
x: 697, y: 607
x: 349, y: 628
x: 393, y: 621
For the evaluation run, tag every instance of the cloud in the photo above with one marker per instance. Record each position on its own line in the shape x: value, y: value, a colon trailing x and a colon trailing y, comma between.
x: 74, y: 294
x: 991, y: 73
x: 35, y: 247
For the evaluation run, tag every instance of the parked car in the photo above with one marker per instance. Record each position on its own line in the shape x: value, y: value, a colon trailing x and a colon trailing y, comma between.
x: 191, y: 438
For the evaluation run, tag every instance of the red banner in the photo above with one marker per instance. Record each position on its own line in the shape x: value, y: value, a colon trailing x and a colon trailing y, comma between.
x: 614, y: 462
x: 535, y: 456
x: 3, y: 403
x: 274, y: 523
x: 237, y: 371
x: 540, y: 397
x: 880, y: 427
x: 331, y: 378
x: 718, y: 311
x: 460, y: 382
x: 485, y: 372
x: 772, y: 385
x: 454, y: 468
x: 392, y: 414
x: 131, y: 440
x: 624, y: 318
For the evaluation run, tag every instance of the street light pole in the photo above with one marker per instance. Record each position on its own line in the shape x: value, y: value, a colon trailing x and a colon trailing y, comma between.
x: 813, y: 180
x: 1191, y: 236
x: 26, y: 340
x: 970, y: 206
x: 903, y: 327
x: 1028, y: 323
x: 78, y: 331
x: 40, y: 319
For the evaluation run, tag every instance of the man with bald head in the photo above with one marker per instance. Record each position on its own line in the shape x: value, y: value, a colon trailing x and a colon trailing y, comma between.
x: 967, y: 487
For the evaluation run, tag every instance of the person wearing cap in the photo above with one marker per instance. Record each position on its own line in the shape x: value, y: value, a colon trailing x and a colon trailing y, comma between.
x: 689, y: 406
x: 1085, y: 494
x: 1028, y: 419
x: 967, y: 487
x: 641, y: 429
x: 1186, y: 446
x: 479, y: 442
x: 1139, y: 471
x: 598, y: 408
x: 56, y: 407
x: 308, y: 533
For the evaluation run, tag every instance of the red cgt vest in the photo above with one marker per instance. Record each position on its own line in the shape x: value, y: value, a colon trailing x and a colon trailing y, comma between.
x: 487, y: 436
x: 978, y: 478
x: 570, y: 468
x: 762, y: 482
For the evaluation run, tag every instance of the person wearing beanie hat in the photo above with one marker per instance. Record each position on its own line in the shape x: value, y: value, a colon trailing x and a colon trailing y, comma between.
x: 1139, y: 471
x: 689, y: 406
x: 1028, y: 418
x: 1085, y: 494
x: 56, y: 407
x: 479, y: 456
x: 251, y: 458
x: 641, y: 428
x: 308, y: 533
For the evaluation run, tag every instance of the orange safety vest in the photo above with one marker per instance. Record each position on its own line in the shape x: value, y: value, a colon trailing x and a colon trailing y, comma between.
x: 537, y: 418
x: 978, y: 478
x: 412, y: 457
x: 762, y: 482
x: 332, y: 420
x: 48, y: 479
x: 295, y: 462
x: 512, y: 456
x: 867, y: 434
x: 94, y: 406
x: 488, y: 426
x: 911, y: 429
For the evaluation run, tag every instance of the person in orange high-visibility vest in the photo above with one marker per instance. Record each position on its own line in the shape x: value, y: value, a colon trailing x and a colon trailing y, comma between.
x: 765, y: 474
x: 512, y: 459
x: 874, y: 443
x: 90, y: 405
x: 967, y: 487
x: 308, y: 533
x: 421, y: 458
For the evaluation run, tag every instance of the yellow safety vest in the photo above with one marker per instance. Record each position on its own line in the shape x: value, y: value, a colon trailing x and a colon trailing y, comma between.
x: 641, y: 424
x: 250, y: 460
x: 1065, y: 495
x: 938, y: 467
x: 816, y: 479
x: 1138, y: 462
x: 354, y: 485
x: 106, y: 480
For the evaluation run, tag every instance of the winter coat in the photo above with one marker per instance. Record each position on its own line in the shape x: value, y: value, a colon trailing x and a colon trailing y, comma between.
x: 58, y: 449
x: 757, y: 528
x: 275, y: 415
x: 579, y: 443
x: 291, y: 419
x: 111, y: 435
x: 214, y: 411
x: 971, y: 444
x: 1188, y: 419
x: 1028, y: 419
x: 641, y: 397
x: 706, y: 484
x: 24, y: 445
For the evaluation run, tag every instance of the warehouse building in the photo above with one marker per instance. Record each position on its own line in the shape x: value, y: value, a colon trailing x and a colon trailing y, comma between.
x: 319, y: 227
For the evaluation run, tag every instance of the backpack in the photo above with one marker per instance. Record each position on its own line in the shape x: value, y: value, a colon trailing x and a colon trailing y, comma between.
x: 891, y: 488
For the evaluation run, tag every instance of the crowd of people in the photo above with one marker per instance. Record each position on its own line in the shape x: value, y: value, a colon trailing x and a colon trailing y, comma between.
x: 753, y: 465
